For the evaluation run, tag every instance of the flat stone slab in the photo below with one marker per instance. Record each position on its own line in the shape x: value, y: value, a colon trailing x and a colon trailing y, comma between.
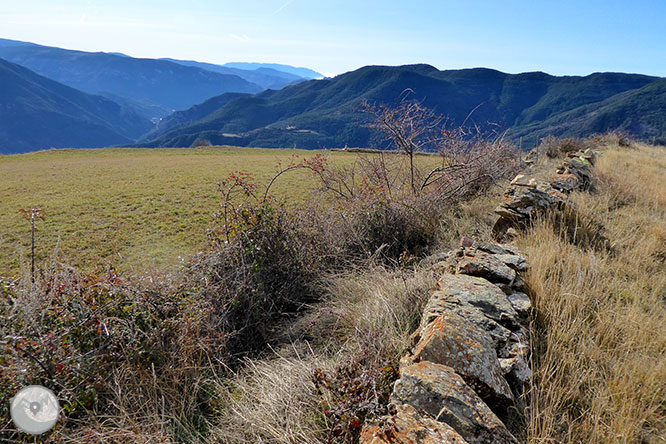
x: 408, y: 426
x: 565, y: 182
x: 517, y: 369
x: 521, y: 203
x: 488, y: 266
x: 475, y: 292
x: 520, y: 302
x: 452, y: 340
x: 440, y: 392
x: 440, y: 302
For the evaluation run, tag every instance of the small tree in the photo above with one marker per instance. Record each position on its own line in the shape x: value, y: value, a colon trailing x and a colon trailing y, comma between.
x: 30, y: 214
x: 410, y: 127
x: 470, y: 160
x: 201, y: 142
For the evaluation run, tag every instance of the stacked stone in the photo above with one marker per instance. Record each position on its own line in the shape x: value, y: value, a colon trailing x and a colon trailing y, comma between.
x: 526, y: 197
x: 468, y: 364
x: 469, y: 360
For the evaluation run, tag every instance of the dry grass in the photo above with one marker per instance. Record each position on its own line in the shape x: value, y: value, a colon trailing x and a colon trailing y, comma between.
x: 473, y: 218
x: 275, y: 401
x: 600, y: 345
x: 134, y: 209
x: 272, y: 401
x: 131, y: 208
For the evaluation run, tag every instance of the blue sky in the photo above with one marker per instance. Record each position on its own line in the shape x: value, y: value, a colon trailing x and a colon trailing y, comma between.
x: 558, y: 37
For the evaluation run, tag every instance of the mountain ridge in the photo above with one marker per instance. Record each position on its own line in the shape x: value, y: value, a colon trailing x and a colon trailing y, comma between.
x: 38, y: 113
x: 324, y: 113
x: 267, y: 78
x: 299, y: 71
x: 151, y: 85
x: 272, y: 108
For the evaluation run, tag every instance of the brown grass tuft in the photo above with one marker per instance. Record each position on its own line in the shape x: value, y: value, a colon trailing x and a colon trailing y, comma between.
x: 274, y: 400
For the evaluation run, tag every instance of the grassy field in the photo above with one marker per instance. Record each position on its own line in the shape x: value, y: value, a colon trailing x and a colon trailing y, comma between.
x: 136, y: 209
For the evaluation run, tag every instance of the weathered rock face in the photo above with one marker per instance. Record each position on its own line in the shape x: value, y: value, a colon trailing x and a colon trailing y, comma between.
x: 453, y: 341
x: 579, y: 166
x: 442, y: 301
x: 565, y: 183
x: 491, y: 262
x: 523, y: 204
x: 440, y: 392
x: 408, y: 426
x: 516, y: 370
x: 523, y: 181
x: 521, y: 303
x: 488, y: 266
x: 479, y: 293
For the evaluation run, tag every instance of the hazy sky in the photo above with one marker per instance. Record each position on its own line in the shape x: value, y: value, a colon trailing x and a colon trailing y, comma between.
x: 558, y: 37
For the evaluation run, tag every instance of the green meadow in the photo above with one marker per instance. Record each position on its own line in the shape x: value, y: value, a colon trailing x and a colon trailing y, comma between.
x: 134, y: 209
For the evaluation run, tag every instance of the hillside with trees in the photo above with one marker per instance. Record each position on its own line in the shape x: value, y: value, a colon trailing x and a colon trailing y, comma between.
x: 39, y: 113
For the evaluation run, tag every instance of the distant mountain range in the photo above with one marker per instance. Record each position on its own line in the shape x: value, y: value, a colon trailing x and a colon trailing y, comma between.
x: 37, y: 113
x: 325, y: 113
x: 305, y: 73
x: 154, y: 88
x: 270, y: 105
x: 266, y: 78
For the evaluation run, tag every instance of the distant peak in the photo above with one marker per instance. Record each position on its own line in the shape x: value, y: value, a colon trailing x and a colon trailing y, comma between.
x: 306, y: 73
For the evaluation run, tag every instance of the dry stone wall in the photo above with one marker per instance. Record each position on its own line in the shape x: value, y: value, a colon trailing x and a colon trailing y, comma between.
x: 469, y: 361
x: 528, y: 198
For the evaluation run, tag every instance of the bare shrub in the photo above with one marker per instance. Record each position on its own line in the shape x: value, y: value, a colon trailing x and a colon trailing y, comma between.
x: 201, y: 142
x: 471, y: 168
x: 410, y: 126
x: 470, y: 161
x: 266, y: 269
x: 555, y: 148
x: 389, y: 203
x: 613, y: 138
x: 354, y: 391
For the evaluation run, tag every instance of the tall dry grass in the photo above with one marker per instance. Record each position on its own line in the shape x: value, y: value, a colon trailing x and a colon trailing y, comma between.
x: 600, y: 313
x: 274, y: 400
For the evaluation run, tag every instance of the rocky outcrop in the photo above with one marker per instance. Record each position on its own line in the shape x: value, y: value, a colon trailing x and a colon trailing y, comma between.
x: 527, y: 198
x: 468, y: 362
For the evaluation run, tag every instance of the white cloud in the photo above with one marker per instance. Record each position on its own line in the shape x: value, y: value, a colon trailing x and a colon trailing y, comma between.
x: 240, y: 37
x: 282, y: 7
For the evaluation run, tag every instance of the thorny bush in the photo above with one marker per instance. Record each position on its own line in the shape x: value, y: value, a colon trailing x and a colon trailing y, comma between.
x: 89, y: 338
x: 357, y: 389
